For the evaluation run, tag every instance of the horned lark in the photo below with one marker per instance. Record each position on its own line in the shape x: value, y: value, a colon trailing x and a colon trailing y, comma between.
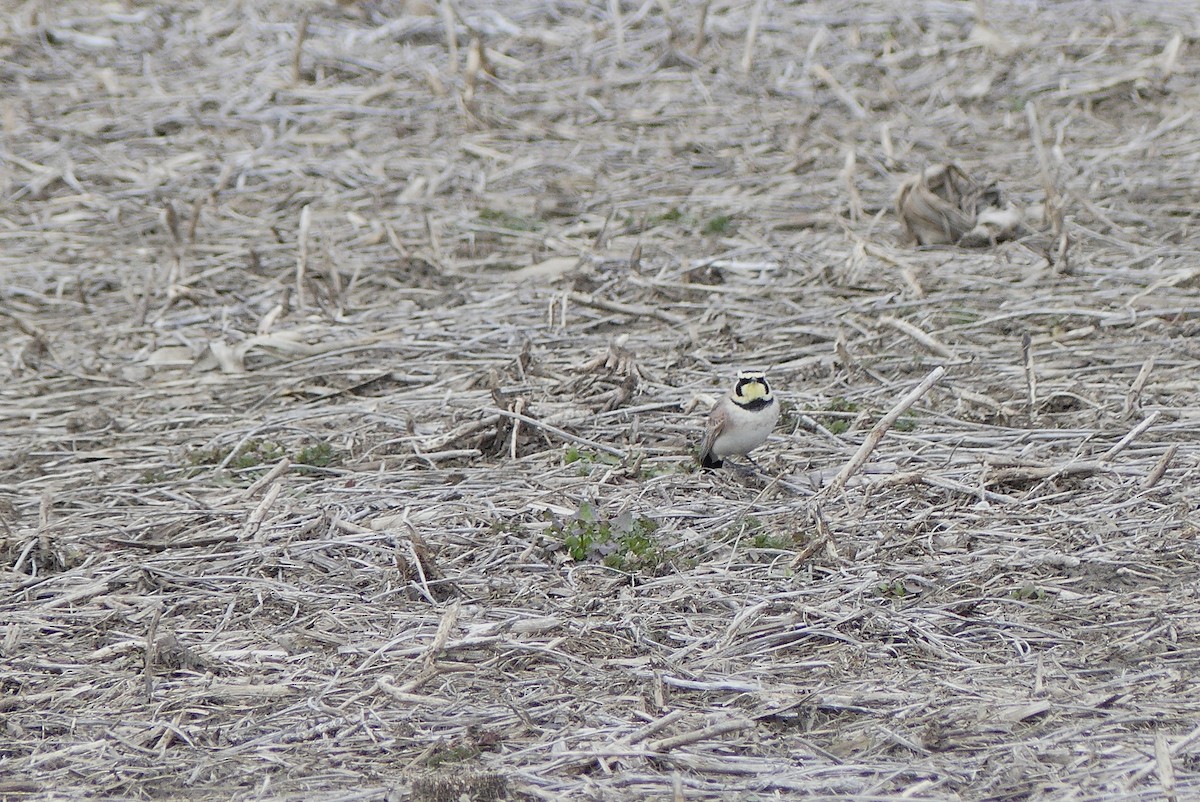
x: 740, y: 421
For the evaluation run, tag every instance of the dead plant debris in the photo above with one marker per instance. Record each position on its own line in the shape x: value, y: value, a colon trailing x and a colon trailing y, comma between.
x: 353, y: 355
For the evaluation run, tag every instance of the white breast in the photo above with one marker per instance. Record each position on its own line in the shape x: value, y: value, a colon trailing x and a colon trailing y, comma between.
x: 745, y: 430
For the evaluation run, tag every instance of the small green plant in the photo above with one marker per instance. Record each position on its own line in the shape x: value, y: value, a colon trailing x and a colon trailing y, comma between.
x: 206, y: 456
x: 745, y: 529
x: 581, y: 534
x: 585, y: 459
x: 508, y: 220
x: 474, y: 743
x: 721, y: 224
x: 251, y: 454
x: 650, y: 470
x: 153, y: 476
x: 767, y: 540
x: 1029, y: 592
x: 674, y: 215
x: 754, y: 532
x: 839, y: 421
x: 896, y: 589
x: 320, y: 455
x: 255, y: 455
x: 789, y: 416
x: 626, y: 543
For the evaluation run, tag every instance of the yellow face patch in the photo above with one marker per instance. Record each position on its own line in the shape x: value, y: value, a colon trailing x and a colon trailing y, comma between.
x: 751, y: 390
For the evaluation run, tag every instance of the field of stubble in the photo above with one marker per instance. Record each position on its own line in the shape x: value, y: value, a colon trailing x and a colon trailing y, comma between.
x: 353, y: 356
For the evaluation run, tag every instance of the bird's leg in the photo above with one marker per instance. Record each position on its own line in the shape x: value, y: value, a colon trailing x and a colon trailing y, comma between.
x: 745, y: 470
x: 757, y: 467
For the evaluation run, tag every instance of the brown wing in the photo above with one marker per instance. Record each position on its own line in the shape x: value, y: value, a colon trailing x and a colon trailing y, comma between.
x: 716, y: 424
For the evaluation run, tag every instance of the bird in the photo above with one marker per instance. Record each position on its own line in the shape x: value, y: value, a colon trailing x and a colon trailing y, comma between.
x: 741, y: 421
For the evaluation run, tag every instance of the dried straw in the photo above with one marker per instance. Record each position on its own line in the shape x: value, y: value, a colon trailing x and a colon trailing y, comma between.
x: 286, y: 435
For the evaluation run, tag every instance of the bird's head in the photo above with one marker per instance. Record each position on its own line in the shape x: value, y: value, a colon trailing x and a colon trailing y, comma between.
x: 751, y: 386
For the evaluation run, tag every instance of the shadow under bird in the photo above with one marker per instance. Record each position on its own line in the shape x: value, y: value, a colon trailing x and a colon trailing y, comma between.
x: 741, y: 421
